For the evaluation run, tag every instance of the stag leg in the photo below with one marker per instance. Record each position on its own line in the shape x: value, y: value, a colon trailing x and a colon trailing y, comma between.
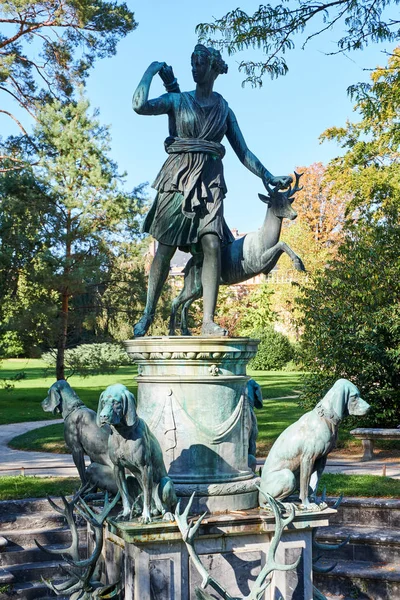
x: 296, y: 260
x: 272, y: 255
x: 189, y: 288
x: 185, y: 312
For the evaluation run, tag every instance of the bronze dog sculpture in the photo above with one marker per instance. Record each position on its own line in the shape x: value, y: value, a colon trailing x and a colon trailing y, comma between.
x: 82, y: 436
x: 254, y: 400
x: 298, y: 457
x: 132, y: 446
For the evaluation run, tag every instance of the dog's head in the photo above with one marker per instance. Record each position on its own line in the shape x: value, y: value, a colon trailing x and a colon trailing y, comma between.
x: 254, y: 394
x: 54, y: 401
x: 344, y: 399
x: 117, y: 406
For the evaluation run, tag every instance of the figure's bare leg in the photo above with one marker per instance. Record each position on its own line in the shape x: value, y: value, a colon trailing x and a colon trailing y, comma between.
x: 158, y: 274
x: 210, y: 277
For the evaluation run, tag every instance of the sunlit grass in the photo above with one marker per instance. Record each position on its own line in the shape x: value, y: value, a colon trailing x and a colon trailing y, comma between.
x: 36, y: 487
x: 23, y: 402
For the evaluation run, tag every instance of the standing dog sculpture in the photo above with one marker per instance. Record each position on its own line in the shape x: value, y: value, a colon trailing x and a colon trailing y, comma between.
x: 82, y: 435
x: 133, y: 446
x: 298, y: 457
x: 254, y: 400
x: 254, y: 253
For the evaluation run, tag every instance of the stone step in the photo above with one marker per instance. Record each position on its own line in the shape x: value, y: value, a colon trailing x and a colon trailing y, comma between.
x: 371, y: 544
x: 20, y: 539
x: 35, y: 571
x: 360, y: 579
x: 6, y: 577
x: 30, y: 591
x: 29, y: 506
x: 16, y: 556
x: 41, y: 520
x: 26, y: 506
x: 376, y: 512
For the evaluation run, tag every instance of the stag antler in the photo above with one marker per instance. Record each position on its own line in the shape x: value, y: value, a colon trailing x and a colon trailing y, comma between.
x: 82, y: 582
x: 189, y: 530
x: 281, y: 201
x: 288, y: 194
x: 271, y: 565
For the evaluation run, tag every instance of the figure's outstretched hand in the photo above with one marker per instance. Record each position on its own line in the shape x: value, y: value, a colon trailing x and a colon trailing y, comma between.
x: 282, y: 181
x: 156, y: 67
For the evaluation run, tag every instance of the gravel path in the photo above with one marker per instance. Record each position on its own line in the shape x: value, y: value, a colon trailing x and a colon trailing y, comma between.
x: 35, y: 463
x: 61, y: 465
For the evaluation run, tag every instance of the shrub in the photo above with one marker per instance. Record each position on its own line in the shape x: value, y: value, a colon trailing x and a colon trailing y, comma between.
x: 91, y: 359
x: 274, y: 350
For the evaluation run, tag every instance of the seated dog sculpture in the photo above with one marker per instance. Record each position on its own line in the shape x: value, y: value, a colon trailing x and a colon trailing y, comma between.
x: 298, y: 457
x: 133, y: 446
x: 82, y: 436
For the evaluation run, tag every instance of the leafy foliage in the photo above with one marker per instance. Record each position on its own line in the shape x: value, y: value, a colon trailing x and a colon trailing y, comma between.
x: 274, y: 350
x: 91, y: 359
x: 255, y: 310
x: 314, y: 235
x: 273, y: 29
x: 68, y: 235
x: 67, y: 35
x: 351, y: 310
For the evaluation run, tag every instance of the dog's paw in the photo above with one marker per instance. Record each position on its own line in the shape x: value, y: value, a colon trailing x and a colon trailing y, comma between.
x: 309, y: 507
x: 145, y: 518
x: 167, y: 516
x: 123, y: 516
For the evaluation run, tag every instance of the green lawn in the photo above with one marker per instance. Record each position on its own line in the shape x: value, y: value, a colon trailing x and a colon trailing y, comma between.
x: 23, y: 402
x: 348, y: 485
x: 13, y: 488
x: 370, y: 486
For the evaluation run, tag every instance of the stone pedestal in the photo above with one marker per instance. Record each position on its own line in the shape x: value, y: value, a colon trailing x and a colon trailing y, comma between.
x: 154, y: 563
x: 191, y: 393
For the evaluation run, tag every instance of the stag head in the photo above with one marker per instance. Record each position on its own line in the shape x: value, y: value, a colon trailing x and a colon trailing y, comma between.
x: 280, y: 202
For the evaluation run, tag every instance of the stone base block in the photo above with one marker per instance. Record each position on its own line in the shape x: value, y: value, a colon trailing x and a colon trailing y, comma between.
x: 154, y: 562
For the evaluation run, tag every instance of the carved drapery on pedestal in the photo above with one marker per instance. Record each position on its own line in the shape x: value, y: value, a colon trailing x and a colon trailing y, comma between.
x: 191, y: 394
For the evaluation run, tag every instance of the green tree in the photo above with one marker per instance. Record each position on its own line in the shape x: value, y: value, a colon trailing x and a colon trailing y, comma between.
x: 351, y: 309
x: 93, y: 213
x: 255, y: 310
x: 273, y: 29
x: 314, y: 235
x: 48, y: 47
x: 27, y: 220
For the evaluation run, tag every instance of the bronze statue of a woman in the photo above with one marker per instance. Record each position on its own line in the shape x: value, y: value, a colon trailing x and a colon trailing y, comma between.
x: 188, y: 209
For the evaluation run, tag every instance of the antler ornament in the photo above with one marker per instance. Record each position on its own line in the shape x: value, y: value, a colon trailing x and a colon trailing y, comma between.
x: 80, y: 585
x: 189, y: 530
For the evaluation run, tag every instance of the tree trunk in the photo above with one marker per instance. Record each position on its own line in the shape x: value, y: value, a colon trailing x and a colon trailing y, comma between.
x: 62, y: 338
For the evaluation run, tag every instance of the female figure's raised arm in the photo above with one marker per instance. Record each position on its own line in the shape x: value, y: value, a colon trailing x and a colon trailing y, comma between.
x: 250, y: 161
x: 140, y: 101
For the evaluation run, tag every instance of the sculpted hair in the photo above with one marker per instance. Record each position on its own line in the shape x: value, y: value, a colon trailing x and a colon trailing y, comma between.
x: 214, y: 56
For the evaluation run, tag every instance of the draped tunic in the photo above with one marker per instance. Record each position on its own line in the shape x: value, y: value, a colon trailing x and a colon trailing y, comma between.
x: 190, y: 185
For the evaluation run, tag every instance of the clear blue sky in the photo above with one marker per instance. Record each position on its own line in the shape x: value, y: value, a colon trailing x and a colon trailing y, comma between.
x: 281, y: 121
